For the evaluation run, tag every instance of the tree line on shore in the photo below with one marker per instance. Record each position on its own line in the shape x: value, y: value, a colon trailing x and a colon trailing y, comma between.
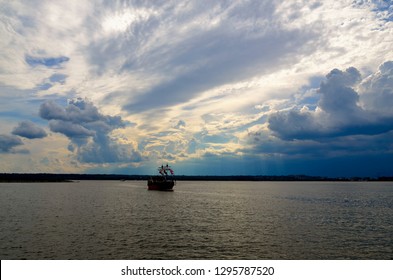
x: 51, y: 177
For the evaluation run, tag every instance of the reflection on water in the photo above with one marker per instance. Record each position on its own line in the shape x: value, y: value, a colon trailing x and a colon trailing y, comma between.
x: 199, y: 220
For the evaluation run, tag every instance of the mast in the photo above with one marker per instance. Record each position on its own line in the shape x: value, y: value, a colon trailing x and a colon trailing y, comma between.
x: 163, y: 170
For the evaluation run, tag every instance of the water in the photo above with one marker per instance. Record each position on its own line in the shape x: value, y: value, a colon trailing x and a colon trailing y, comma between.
x: 199, y: 220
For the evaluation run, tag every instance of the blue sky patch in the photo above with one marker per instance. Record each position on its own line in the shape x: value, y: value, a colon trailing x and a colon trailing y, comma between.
x: 385, y: 6
x: 46, y: 61
x: 58, y: 78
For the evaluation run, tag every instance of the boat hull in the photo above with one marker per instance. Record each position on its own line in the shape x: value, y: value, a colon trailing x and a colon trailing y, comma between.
x: 160, y: 185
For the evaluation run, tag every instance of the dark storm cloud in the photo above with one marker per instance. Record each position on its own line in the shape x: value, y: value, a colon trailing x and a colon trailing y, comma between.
x: 8, y: 143
x: 290, y: 125
x: 29, y: 130
x: 338, y: 114
x: 89, y: 131
x: 347, y: 129
x: 323, y: 147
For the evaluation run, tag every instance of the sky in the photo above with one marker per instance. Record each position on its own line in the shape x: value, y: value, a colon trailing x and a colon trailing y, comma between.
x: 209, y: 87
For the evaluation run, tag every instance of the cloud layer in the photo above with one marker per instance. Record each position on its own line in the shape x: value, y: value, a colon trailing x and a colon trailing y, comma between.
x: 195, y: 83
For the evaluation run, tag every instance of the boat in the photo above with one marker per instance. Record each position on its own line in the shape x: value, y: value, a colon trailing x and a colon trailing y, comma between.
x: 162, y: 182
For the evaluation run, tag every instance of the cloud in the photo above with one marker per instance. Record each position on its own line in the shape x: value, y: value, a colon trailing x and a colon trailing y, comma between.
x: 80, y: 111
x: 180, y: 124
x: 50, y: 110
x: 337, y: 95
x: 70, y: 129
x: 217, y: 57
x: 376, y: 90
x: 89, y: 132
x: 338, y: 112
x: 29, y: 130
x: 8, y: 143
x: 290, y: 125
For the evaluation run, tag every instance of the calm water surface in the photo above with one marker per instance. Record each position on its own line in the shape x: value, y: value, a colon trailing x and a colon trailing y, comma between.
x: 199, y: 220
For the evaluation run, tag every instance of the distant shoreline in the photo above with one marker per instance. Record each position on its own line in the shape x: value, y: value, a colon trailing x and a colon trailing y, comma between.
x: 51, y: 177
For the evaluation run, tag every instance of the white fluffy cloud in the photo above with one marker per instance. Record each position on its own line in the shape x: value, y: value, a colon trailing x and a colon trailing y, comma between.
x: 376, y: 90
